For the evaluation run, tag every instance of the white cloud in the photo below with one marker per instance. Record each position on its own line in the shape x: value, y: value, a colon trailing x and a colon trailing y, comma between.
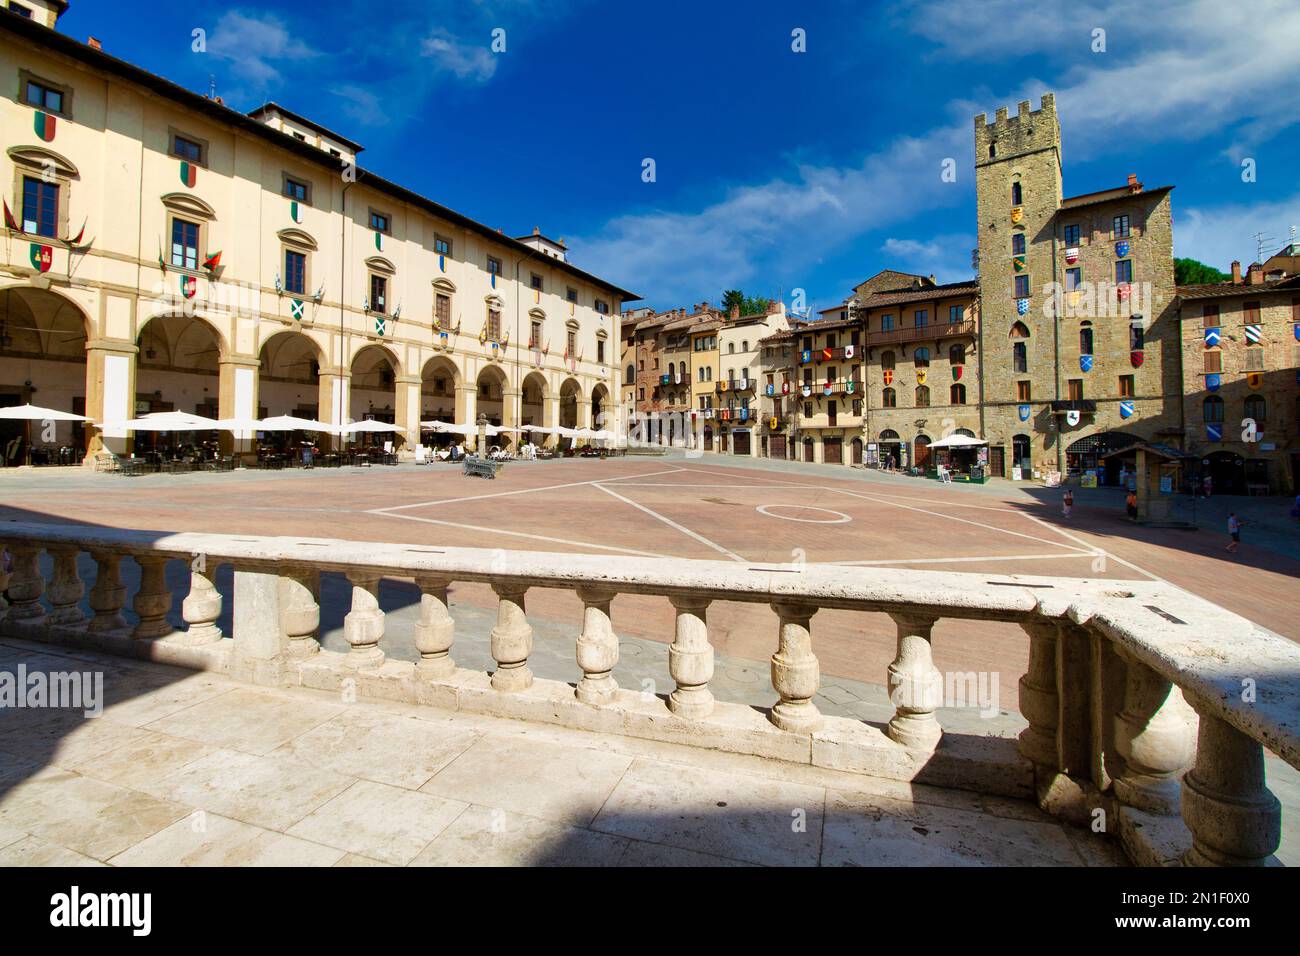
x: 466, y: 61
x: 947, y: 257
x: 1219, y: 234
x: 257, y: 46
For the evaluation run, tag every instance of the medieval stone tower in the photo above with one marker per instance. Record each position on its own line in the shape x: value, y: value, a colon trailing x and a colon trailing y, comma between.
x: 1018, y: 192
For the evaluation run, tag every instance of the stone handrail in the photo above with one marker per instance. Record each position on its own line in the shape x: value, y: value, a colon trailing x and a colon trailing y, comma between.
x: 1114, y: 665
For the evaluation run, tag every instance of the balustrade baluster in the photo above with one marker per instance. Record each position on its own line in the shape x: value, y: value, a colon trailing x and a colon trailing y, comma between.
x: 795, y: 671
x: 597, y: 648
x: 299, y: 612
x: 915, y: 685
x: 1155, y: 734
x: 1234, y: 819
x: 201, y: 607
x: 363, y: 627
x: 26, y: 585
x: 1039, y: 702
x: 435, y: 630
x: 690, y: 660
x: 153, y: 600
x: 66, y: 588
x: 512, y: 639
x: 108, y: 595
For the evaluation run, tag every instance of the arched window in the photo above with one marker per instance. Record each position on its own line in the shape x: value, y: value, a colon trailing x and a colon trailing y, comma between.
x: 1017, y: 194
x: 1019, y: 357
x: 921, y: 358
x: 957, y: 354
x: 957, y: 394
x: 1212, y: 408
x: 744, y: 345
x: 1256, y: 408
x: 681, y: 373
x: 922, y: 396
x: 708, y: 373
x: 888, y: 398
x: 701, y: 372
x: 1019, y: 331
x: 886, y: 359
x: 630, y: 378
x: 993, y: 151
x: 731, y: 347
x: 1085, y: 339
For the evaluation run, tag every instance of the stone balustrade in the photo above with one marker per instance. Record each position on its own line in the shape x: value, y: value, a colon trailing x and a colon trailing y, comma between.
x: 1147, y: 708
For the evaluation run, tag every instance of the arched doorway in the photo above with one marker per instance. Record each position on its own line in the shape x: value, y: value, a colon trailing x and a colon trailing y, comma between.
x: 533, y: 403
x: 42, y: 362
x: 1227, y: 471
x: 890, y: 449
x: 289, y: 380
x: 570, y: 394
x: 599, y: 405
x: 1021, y: 456
x: 808, y: 453
x: 178, y: 369
x: 921, y: 451
x: 440, y: 399
x: 708, y: 438
x: 374, y: 391
x: 856, y: 450
x: 1087, y: 453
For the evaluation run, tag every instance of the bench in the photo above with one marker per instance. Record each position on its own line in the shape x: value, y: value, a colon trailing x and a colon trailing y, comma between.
x: 481, y: 467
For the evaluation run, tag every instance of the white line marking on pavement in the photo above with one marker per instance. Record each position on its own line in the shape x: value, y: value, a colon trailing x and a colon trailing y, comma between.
x: 1073, y: 556
x: 673, y: 524
x: 506, y: 494
x: 523, y: 534
x: 1099, y: 552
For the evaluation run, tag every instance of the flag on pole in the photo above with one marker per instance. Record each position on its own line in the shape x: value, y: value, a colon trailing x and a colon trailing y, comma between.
x: 213, y: 261
x: 10, y: 222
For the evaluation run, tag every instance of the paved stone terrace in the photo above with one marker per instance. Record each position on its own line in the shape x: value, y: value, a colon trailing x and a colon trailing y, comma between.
x: 188, y: 768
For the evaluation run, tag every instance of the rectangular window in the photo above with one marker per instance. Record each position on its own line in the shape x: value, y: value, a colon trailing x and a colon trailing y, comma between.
x: 1119, y: 227
x: 807, y: 409
x: 494, y: 325
x: 1126, y: 386
x: 1124, y: 271
x: 855, y: 337
x: 1018, y: 244
x: 1022, y: 287
x: 442, y: 309
x: 1073, y: 278
x: 1022, y: 391
x: 22, y: 11
x: 187, y: 149
x: 43, y: 95
x: 493, y: 266
x: 1213, y: 361
x: 830, y: 341
x: 1075, y: 387
x: 954, y: 314
x: 535, y: 281
x: 1254, y: 360
x: 442, y: 246
x: 1071, y: 235
x: 857, y: 406
x: 602, y: 307
x: 572, y: 341
x: 295, y: 272
x: 1250, y: 313
x: 600, y: 351
x: 571, y: 294
x: 886, y: 323
x: 40, y: 207
x: 1211, y: 314
x: 921, y: 318
x: 380, y: 222
x: 185, y: 244
x: 535, y: 336
x: 378, y: 294
x: 297, y: 189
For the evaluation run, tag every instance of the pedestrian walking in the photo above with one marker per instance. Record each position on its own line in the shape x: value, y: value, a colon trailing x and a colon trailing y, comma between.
x: 1234, y: 532
x: 1131, y: 505
x: 1067, y: 503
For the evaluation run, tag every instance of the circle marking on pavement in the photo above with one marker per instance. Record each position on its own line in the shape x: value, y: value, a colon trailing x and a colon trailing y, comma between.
x: 841, y: 517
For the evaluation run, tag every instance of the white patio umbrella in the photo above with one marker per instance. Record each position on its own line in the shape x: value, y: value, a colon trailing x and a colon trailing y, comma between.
x: 604, y: 434
x: 243, y: 428
x: 165, y: 422
x: 370, y: 425
x: 34, y: 413
x: 291, y: 423
x: 957, y: 441
x: 541, y: 429
x: 435, y: 425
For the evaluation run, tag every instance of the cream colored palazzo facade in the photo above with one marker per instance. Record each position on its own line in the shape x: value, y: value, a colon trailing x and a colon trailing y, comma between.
x: 337, y: 295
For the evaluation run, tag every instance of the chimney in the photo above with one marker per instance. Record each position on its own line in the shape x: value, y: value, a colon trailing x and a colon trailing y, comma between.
x: 1236, y: 272
x: 1254, y: 274
x: 93, y: 43
x: 735, y: 312
x: 932, y: 282
x: 1133, y: 185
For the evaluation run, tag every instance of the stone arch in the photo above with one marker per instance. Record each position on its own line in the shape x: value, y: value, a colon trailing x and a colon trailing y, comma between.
x: 441, y: 395
x: 289, y: 375
x: 600, y: 407
x: 491, y: 386
x: 43, y: 341
x: 190, y: 205
x: 373, y: 389
x: 570, y: 400
x: 535, y: 393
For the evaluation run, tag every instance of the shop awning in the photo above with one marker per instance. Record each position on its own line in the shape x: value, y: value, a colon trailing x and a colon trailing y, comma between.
x: 958, y: 441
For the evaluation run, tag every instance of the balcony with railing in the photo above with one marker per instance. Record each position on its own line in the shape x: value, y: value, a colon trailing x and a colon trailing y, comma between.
x: 735, y: 385
x: 924, y: 333
x: 1133, y: 697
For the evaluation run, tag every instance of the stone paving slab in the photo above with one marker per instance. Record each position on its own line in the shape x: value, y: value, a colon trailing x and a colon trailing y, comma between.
x: 198, y: 787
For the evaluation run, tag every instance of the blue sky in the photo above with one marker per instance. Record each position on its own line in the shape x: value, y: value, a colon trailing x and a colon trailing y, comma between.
x: 775, y: 170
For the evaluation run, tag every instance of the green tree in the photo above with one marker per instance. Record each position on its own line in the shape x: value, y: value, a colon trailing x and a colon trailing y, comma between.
x: 754, y: 306
x: 1193, y: 272
x: 733, y: 297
